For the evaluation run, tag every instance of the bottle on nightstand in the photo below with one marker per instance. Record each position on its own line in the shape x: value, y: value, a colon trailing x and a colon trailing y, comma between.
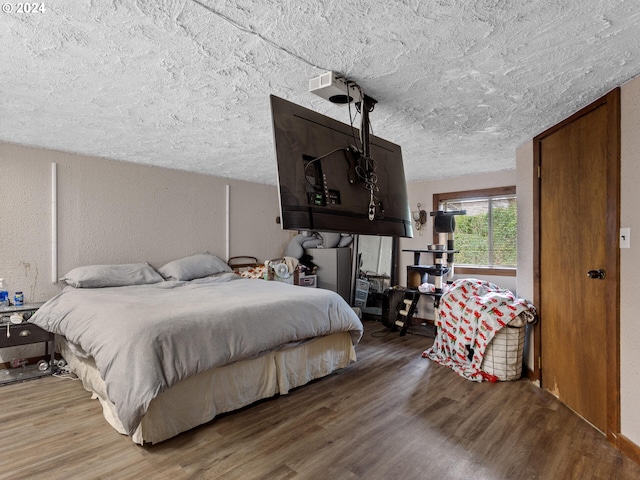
x: 18, y: 299
x: 4, y: 294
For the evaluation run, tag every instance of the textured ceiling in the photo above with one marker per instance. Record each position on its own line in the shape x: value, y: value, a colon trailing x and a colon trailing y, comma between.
x: 185, y: 84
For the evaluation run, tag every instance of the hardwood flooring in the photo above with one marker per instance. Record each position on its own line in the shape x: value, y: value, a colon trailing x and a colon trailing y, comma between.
x: 392, y: 415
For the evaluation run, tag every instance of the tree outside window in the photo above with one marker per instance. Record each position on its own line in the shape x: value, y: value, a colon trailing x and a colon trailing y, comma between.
x: 487, y: 235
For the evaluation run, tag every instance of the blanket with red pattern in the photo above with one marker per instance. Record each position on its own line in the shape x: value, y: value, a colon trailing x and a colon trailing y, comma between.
x: 469, y: 315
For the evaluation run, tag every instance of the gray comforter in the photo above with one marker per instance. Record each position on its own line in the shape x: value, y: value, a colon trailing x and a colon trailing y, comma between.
x: 146, y: 338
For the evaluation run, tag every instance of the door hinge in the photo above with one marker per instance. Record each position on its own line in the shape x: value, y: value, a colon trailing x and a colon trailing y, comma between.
x: 539, y: 171
x: 540, y: 363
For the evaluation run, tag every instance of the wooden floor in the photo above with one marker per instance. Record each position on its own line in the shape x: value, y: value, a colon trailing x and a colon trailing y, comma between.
x: 392, y: 415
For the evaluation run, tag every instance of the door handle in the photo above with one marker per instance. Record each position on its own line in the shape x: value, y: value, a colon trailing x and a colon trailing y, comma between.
x: 598, y: 274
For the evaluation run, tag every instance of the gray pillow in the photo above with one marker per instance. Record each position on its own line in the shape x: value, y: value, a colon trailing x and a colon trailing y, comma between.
x: 195, y: 266
x: 96, y: 276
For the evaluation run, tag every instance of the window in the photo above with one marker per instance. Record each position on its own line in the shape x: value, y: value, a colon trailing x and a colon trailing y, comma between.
x: 487, y: 235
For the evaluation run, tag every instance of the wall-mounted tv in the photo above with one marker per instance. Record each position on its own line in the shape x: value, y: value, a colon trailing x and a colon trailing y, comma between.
x: 325, y: 183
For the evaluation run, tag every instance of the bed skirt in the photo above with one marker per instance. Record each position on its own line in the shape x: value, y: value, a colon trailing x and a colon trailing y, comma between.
x: 198, y: 399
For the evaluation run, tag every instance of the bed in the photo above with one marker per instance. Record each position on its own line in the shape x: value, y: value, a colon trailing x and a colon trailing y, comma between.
x: 165, y: 353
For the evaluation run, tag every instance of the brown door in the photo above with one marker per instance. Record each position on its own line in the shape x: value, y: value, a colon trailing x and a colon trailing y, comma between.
x: 578, y: 259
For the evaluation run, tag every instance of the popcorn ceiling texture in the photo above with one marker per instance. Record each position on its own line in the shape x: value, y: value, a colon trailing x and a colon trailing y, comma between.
x: 185, y: 84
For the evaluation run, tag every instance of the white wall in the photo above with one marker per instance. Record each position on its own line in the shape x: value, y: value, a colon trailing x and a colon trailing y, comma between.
x: 630, y: 262
x: 118, y: 212
x: 524, y: 189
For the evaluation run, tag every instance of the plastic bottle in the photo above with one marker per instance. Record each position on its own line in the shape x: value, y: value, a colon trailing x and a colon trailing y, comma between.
x: 18, y: 299
x: 4, y: 294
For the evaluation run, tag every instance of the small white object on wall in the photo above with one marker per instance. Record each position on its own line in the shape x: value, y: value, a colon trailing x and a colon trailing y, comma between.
x: 625, y: 240
x: 228, y: 236
x: 54, y: 223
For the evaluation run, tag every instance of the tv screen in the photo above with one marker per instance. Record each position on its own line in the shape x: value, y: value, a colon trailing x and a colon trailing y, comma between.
x: 326, y: 184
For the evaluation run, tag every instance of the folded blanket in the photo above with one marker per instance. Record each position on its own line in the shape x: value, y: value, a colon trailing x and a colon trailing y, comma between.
x: 469, y: 315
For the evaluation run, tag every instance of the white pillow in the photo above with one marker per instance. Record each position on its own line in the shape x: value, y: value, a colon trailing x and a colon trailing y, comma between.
x: 195, y: 266
x: 96, y: 276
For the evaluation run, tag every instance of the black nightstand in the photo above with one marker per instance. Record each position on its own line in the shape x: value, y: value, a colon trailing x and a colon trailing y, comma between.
x: 17, y: 334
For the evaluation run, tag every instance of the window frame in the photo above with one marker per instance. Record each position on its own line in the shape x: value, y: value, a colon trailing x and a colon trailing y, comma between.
x: 479, y: 193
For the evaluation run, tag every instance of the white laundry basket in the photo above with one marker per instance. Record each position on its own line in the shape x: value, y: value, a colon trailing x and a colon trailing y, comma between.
x: 504, y: 354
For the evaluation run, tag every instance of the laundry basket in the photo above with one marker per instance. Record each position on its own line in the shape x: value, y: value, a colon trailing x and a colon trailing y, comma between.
x: 503, y: 355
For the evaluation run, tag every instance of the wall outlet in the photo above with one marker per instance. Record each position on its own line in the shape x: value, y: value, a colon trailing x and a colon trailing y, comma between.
x: 625, y: 240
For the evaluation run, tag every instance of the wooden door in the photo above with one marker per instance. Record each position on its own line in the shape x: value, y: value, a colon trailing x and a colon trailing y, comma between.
x: 578, y: 261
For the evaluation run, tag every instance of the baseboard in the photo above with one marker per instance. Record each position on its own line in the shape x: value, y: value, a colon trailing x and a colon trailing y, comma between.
x: 629, y: 448
x: 532, y: 376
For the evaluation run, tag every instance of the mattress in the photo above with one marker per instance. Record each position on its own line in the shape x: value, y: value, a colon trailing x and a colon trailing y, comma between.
x: 198, y: 399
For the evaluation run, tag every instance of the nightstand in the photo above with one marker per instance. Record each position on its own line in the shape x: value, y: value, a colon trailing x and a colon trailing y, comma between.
x: 17, y: 334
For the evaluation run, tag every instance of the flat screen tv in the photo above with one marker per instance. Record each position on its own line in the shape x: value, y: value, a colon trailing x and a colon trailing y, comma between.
x: 326, y: 184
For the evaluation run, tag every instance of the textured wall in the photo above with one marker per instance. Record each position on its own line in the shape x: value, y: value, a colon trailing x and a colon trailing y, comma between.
x: 630, y: 263
x: 117, y: 212
x: 524, y: 188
